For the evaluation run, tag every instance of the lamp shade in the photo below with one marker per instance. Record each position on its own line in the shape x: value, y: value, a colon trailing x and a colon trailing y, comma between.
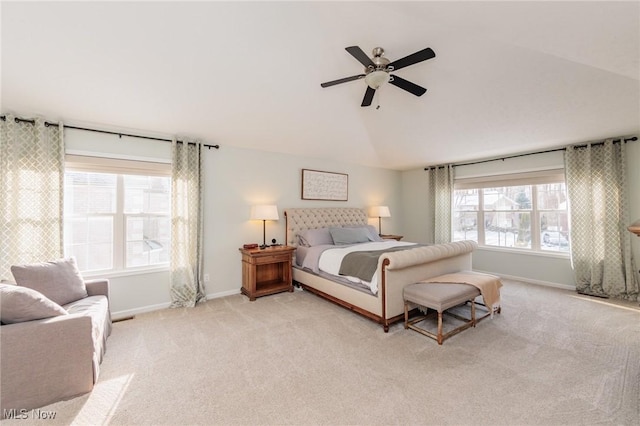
x: 264, y: 212
x: 379, y: 211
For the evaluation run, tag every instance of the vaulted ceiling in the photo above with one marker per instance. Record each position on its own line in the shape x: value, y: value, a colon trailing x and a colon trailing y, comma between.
x: 509, y: 77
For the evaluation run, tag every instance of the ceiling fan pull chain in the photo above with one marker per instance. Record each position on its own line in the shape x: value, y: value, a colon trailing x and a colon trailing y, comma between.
x: 378, y: 94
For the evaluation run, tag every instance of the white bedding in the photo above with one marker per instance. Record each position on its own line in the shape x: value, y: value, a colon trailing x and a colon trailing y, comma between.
x: 330, y: 259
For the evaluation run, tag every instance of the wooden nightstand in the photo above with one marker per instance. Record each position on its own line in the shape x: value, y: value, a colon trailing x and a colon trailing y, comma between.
x: 266, y: 271
x: 392, y: 237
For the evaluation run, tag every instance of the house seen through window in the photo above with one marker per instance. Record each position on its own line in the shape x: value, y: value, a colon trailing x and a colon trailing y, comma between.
x: 116, y: 221
x: 523, y: 216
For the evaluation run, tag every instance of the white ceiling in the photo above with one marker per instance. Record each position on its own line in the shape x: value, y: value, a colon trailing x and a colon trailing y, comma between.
x: 509, y: 77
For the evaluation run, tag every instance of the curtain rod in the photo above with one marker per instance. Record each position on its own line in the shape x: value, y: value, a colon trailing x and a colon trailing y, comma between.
x: 120, y: 134
x: 632, y: 139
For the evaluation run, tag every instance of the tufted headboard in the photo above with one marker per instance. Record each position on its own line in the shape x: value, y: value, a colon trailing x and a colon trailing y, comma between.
x: 301, y: 219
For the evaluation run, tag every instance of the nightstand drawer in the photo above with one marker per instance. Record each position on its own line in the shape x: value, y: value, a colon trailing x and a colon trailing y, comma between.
x: 272, y: 258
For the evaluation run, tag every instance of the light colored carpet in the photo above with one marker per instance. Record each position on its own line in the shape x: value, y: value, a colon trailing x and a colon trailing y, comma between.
x: 552, y: 357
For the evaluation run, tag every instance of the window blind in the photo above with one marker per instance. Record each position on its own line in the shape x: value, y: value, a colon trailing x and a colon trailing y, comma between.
x: 115, y: 165
x: 513, y: 179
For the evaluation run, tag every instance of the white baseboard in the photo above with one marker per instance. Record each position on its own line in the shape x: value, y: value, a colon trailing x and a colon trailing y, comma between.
x: 150, y: 308
x: 141, y: 310
x: 532, y: 281
x: 222, y: 294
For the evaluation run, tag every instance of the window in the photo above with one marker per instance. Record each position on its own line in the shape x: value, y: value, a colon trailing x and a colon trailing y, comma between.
x: 116, y: 220
x: 527, y: 211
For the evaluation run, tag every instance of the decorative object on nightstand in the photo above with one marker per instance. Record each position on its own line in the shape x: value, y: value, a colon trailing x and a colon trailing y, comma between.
x: 264, y: 212
x: 266, y: 271
x: 635, y: 227
x: 379, y: 212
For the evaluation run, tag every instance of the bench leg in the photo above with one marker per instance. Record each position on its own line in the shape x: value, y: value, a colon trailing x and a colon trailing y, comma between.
x: 473, y: 312
x: 439, y: 327
x: 406, y: 315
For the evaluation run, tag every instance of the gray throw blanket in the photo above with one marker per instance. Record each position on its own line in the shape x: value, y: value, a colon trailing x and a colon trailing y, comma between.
x: 363, y: 264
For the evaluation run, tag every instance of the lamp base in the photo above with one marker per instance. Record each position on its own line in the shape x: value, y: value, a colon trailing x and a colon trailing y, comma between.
x: 263, y: 246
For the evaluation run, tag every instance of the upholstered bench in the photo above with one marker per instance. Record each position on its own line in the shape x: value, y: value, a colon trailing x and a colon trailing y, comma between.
x: 440, y: 297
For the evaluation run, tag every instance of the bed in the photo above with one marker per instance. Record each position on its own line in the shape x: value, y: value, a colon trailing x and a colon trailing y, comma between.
x: 384, y: 303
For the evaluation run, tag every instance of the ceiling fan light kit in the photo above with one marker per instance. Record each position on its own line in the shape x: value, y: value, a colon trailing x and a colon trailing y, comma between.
x: 378, y: 70
x: 375, y: 79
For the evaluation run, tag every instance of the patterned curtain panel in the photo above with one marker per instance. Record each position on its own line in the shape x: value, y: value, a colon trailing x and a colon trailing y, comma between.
x: 440, y: 192
x: 31, y: 183
x: 600, y: 243
x: 186, y: 225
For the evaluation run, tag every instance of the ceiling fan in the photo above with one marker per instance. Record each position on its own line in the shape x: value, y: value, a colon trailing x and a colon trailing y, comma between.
x: 378, y: 71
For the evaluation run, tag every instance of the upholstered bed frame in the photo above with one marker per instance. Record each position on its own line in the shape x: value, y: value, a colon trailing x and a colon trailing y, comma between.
x: 395, y: 269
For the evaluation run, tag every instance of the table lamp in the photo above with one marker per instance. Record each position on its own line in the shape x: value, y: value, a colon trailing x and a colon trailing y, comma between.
x: 379, y: 212
x: 264, y: 212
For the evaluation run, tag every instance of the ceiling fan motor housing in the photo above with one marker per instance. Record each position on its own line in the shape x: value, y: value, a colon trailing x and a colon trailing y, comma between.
x: 379, y: 61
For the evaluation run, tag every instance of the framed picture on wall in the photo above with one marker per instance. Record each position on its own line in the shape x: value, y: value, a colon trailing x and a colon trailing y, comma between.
x: 318, y: 185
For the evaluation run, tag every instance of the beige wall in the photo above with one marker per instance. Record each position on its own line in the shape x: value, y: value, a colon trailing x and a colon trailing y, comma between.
x: 237, y: 178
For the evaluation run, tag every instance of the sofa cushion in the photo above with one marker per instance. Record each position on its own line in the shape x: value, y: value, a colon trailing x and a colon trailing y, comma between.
x: 96, y: 308
x: 19, y: 304
x: 59, y: 280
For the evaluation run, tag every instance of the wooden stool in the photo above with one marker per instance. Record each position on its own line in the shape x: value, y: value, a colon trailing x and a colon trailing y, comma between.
x: 439, y: 296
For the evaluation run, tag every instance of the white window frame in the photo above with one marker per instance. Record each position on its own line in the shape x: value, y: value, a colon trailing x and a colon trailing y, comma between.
x: 514, y: 179
x: 119, y: 167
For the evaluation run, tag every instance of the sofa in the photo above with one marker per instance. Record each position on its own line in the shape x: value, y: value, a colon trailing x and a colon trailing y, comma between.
x: 53, y: 358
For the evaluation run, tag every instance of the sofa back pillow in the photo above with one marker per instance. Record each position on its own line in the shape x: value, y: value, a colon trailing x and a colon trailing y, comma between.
x: 58, y: 280
x: 19, y: 304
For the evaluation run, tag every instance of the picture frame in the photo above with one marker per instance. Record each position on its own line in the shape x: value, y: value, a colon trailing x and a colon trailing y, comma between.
x: 326, y: 186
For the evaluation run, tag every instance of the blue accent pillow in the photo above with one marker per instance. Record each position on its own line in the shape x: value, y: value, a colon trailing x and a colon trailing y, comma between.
x: 373, y: 231
x: 343, y: 236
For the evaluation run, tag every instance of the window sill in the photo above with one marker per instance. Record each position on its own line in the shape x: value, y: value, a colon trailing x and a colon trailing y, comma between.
x: 125, y: 272
x: 553, y: 254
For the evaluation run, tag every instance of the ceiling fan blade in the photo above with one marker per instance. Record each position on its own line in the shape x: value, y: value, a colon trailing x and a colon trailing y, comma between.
x: 407, y: 85
x: 342, y: 80
x: 414, y: 58
x: 362, y: 57
x: 368, y: 96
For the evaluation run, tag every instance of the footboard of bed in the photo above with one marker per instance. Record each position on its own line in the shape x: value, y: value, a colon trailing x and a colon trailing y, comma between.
x: 401, y: 268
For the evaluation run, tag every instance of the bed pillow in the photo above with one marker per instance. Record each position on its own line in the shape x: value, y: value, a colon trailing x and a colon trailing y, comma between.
x: 349, y: 235
x: 19, y: 304
x: 58, y: 280
x: 373, y: 232
x: 315, y: 237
